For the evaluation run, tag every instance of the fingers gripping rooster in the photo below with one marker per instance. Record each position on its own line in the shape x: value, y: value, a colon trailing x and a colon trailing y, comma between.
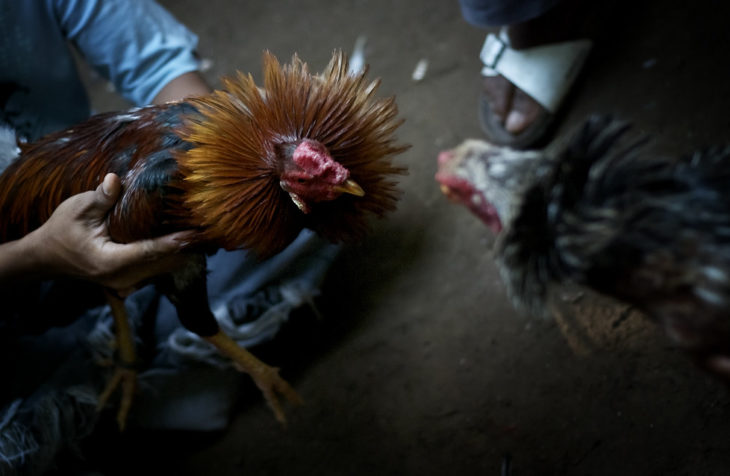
x: 243, y: 168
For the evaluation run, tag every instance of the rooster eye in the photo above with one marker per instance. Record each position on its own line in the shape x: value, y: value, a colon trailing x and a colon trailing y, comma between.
x: 301, y: 180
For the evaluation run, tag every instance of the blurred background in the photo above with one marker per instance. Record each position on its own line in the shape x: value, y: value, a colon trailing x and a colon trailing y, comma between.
x: 418, y: 363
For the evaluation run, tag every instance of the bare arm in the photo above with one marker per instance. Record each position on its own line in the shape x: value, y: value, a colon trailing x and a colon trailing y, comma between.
x: 187, y: 84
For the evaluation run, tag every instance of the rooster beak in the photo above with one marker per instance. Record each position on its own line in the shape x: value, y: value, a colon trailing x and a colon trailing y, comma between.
x: 448, y: 193
x: 351, y: 187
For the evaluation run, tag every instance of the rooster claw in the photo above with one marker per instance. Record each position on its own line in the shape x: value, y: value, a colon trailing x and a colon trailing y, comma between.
x: 266, y: 378
x: 127, y: 379
x: 273, y: 386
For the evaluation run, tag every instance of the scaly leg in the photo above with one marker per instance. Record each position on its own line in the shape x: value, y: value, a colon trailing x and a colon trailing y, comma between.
x: 187, y: 290
x: 124, y: 374
x: 267, y: 378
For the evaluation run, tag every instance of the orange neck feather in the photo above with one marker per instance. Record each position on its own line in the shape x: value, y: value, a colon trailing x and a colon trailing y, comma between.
x: 231, y: 180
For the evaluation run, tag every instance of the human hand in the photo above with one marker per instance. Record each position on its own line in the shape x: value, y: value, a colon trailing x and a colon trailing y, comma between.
x: 75, y: 242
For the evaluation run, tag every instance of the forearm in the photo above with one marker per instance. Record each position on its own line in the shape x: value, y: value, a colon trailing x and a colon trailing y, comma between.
x: 20, y: 260
x: 188, y: 84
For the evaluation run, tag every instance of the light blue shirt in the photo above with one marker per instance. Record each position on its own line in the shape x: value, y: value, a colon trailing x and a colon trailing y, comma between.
x: 136, y: 44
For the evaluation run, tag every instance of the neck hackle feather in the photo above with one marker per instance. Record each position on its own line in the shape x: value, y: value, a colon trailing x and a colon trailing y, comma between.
x: 230, y: 174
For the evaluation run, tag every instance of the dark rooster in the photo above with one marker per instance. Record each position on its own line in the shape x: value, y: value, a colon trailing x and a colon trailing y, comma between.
x: 244, y: 167
x: 651, y: 231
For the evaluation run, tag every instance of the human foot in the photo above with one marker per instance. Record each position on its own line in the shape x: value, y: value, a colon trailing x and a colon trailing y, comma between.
x: 513, y: 108
x: 528, y: 70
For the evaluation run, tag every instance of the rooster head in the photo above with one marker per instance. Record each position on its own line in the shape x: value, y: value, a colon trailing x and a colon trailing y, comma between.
x: 487, y: 179
x: 322, y: 141
x: 310, y: 175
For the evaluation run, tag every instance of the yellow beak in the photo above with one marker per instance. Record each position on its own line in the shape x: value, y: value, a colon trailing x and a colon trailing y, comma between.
x: 351, y: 187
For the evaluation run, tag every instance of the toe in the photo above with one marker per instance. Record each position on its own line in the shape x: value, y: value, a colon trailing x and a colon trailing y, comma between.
x: 273, y: 386
x: 289, y: 393
x: 498, y: 92
x: 108, y: 390
x: 275, y: 406
x: 525, y: 111
x: 129, y: 386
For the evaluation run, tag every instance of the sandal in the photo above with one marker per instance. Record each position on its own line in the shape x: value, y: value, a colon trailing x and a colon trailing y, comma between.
x: 544, y: 73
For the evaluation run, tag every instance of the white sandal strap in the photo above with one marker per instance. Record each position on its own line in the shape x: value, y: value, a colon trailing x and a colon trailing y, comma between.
x: 544, y: 72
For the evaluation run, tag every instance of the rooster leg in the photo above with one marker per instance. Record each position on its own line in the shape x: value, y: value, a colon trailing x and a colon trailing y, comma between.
x: 187, y: 290
x: 124, y: 374
x: 267, y: 378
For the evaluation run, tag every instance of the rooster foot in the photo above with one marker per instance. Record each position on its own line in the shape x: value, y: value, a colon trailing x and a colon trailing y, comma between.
x: 125, y: 374
x: 266, y: 378
x: 127, y: 379
x: 272, y: 385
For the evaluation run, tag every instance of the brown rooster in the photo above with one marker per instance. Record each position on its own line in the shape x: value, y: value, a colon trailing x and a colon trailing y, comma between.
x: 245, y: 168
x: 649, y: 230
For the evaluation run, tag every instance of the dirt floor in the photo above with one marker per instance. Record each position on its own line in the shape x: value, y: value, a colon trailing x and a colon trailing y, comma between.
x: 420, y: 365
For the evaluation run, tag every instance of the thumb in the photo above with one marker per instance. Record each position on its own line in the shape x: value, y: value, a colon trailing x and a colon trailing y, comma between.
x: 106, y: 193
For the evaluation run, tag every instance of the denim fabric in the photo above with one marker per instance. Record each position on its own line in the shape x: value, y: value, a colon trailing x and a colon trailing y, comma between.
x: 136, y: 44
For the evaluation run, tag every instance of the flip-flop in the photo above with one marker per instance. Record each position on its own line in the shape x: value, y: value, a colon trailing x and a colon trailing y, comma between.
x: 545, y: 73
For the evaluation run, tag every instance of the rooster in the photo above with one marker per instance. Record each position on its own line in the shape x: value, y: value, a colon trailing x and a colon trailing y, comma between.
x: 651, y: 231
x: 244, y: 167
